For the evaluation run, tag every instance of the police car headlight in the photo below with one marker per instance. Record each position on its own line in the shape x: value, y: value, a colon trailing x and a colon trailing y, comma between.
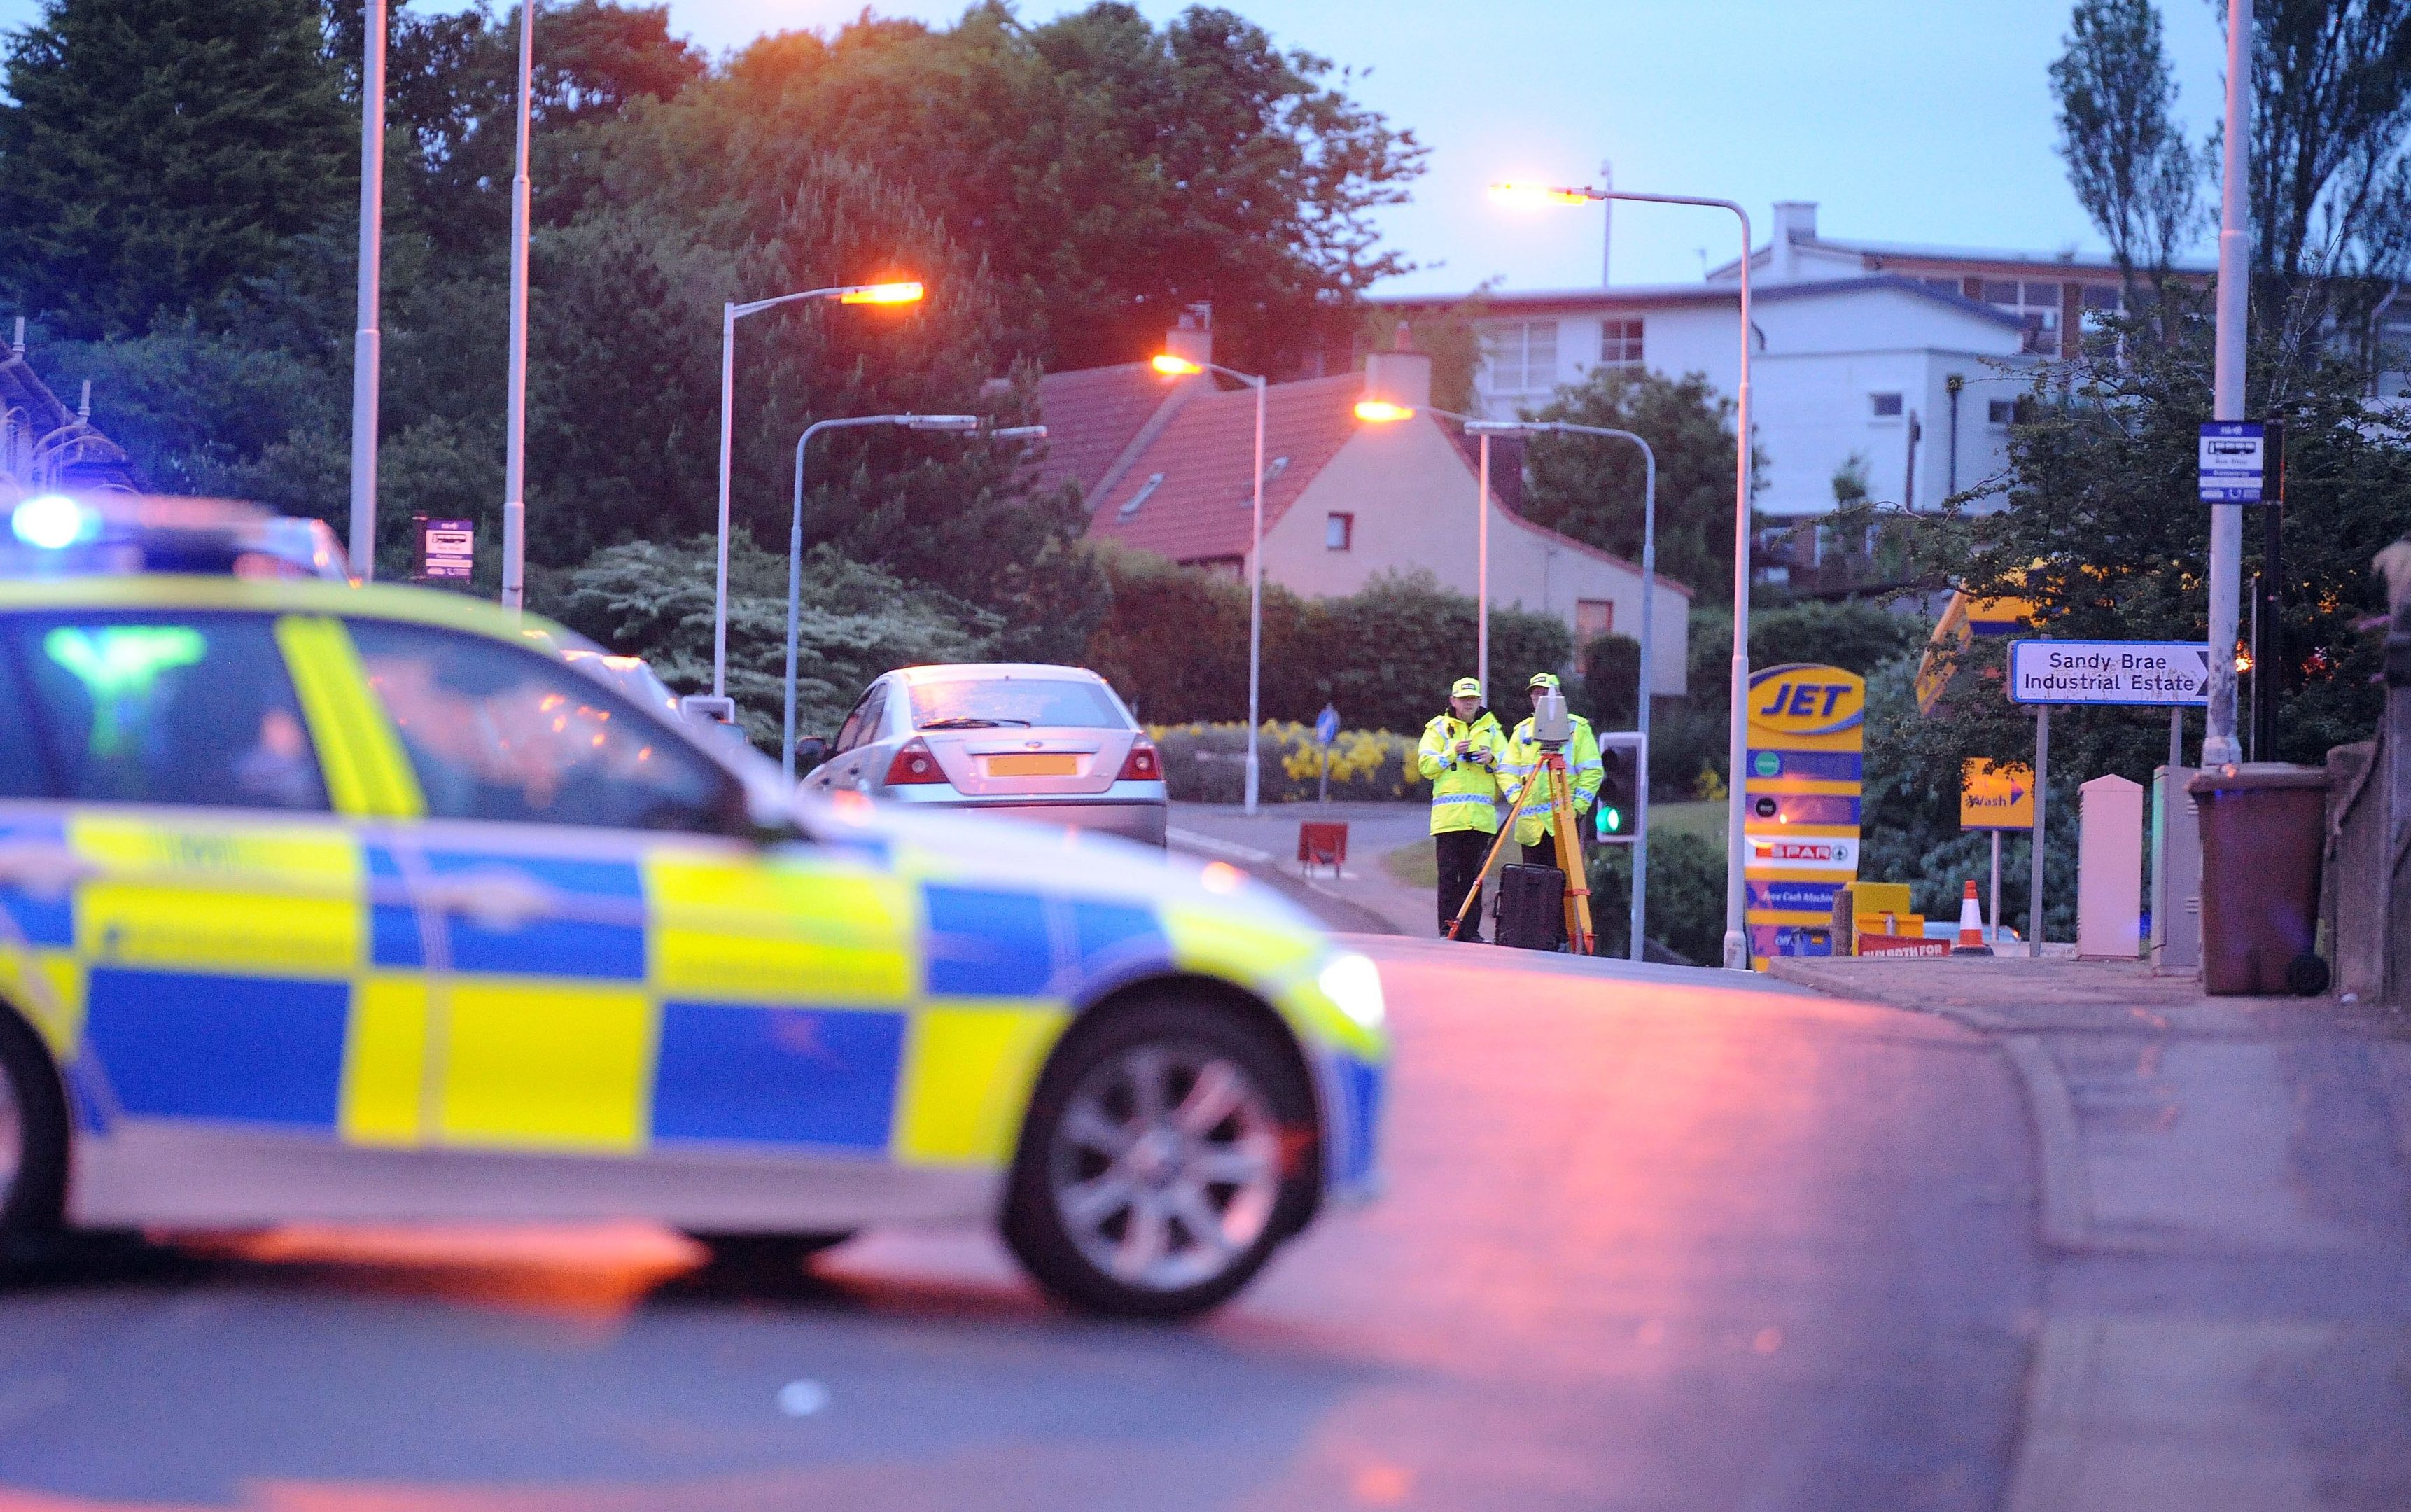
x: 1354, y: 984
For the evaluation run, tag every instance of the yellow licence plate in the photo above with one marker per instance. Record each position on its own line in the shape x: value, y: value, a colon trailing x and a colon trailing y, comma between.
x: 1041, y: 765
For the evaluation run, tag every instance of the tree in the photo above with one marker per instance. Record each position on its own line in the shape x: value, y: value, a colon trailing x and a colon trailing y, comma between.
x: 156, y: 153
x: 1109, y: 173
x: 654, y: 600
x: 1590, y: 486
x: 2128, y: 162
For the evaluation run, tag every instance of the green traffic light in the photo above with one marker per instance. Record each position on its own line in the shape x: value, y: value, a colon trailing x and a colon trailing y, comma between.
x: 1611, y: 820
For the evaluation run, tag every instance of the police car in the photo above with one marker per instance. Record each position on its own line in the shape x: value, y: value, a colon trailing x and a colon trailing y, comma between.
x: 342, y: 903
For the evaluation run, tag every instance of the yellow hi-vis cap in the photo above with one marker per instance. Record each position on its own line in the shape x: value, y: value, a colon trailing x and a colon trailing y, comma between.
x: 1465, y: 688
x: 1543, y: 679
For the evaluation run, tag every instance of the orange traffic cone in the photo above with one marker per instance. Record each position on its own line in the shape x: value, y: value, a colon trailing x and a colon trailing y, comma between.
x: 1971, y: 925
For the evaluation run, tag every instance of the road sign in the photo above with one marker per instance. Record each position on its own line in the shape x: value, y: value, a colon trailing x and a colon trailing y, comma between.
x: 2233, y: 461
x: 448, y: 548
x: 2108, y: 671
x: 1800, y: 795
x: 1326, y: 726
x: 1995, y: 796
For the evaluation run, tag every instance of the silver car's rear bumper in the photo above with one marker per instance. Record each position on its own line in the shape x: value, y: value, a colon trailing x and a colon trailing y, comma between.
x: 1140, y: 820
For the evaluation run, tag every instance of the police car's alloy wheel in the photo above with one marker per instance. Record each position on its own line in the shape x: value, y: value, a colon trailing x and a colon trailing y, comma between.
x: 1156, y: 1175
x: 32, y: 1136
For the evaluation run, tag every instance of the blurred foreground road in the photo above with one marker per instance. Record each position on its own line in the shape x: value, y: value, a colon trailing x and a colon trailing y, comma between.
x: 1649, y: 1246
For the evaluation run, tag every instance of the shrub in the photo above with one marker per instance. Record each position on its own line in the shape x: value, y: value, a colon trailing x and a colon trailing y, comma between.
x: 1207, y: 763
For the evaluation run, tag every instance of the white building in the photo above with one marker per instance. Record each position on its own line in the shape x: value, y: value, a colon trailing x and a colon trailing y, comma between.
x: 1910, y: 378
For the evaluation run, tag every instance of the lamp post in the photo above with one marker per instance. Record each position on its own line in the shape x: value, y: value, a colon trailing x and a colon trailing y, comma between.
x: 729, y: 315
x: 2219, y: 745
x: 514, y: 403
x: 365, y: 338
x: 1173, y: 365
x: 1736, y: 942
x: 955, y: 424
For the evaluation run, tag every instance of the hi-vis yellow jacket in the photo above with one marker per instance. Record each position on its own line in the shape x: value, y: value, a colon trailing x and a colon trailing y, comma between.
x: 1584, y: 770
x: 1464, y: 791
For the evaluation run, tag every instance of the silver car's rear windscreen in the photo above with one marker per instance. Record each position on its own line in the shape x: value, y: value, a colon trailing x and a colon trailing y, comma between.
x: 1048, y: 703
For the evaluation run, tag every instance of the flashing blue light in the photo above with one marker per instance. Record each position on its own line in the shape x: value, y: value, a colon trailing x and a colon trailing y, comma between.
x: 48, y: 523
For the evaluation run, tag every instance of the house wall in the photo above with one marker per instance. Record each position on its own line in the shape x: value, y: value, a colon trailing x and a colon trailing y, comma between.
x: 1410, y: 492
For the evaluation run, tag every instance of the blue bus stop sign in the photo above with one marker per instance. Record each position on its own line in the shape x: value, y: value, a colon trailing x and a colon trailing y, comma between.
x: 2234, y: 461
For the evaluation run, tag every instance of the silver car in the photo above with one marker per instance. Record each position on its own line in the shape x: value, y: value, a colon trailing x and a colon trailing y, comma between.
x: 1022, y: 739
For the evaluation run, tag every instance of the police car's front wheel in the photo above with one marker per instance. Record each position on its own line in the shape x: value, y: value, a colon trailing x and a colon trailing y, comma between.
x: 33, y: 1139
x: 1170, y: 1147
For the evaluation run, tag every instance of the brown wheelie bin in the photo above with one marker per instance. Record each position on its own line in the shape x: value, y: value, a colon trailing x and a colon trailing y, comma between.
x: 2263, y: 825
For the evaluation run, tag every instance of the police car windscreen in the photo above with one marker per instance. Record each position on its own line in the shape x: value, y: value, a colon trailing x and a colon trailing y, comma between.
x: 971, y: 703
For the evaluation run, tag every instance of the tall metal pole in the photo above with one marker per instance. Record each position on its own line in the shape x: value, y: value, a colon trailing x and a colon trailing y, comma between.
x: 515, y: 438
x: 1737, y: 737
x: 720, y: 592
x: 1481, y: 570
x: 366, y: 351
x: 2218, y: 744
x: 1641, y: 759
x: 1255, y: 595
x: 2042, y: 802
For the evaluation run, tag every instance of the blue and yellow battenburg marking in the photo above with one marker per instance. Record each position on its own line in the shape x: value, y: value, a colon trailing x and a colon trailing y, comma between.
x: 316, y: 975
x: 1801, y: 804
x: 277, y: 975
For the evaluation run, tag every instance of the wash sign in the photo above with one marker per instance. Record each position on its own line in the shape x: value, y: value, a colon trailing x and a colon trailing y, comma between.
x: 1799, y: 792
x: 2234, y: 461
x: 1995, y: 796
x: 2108, y: 671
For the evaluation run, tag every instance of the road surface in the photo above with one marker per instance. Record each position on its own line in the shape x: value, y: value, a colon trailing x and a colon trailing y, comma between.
x: 1661, y: 1242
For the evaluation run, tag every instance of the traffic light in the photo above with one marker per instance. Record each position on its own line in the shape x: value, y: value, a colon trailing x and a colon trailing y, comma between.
x: 1617, y: 813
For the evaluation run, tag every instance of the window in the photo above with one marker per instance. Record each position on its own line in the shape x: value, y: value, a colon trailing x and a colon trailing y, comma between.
x: 2001, y: 412
x: 168, y: 709
x: 498, y: 732
x: 2035, y: 302
x: 1886, y: 406
x: 2102, y: 299
x: 1593, y: 617
x: 1130, y: 505
x: 23, y: 773
x: 1051, y: 703
x: 1339, y: 531
x: 862, y: 725
x: 1523, y: 357
x: 1942, y: 286
x: 1619, y: 344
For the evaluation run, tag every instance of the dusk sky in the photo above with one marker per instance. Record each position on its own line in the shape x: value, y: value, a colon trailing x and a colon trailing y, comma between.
x: 1904, y: 120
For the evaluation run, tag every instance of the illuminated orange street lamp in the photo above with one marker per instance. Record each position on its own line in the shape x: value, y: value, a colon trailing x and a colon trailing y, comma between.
x: 1736, y: 942
x: 894, y: 292
x: 1382, y: 411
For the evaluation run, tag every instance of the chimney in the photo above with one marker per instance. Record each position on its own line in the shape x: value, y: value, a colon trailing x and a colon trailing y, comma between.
x: 1795, y: 220
x: 1193, y: 337
x: 1399, y: 376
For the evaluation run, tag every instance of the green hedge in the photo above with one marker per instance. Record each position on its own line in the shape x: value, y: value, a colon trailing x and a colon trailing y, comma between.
x: 1207, y: 763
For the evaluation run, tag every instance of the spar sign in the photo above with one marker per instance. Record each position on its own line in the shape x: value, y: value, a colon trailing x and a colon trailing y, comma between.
x: 1800, y: 804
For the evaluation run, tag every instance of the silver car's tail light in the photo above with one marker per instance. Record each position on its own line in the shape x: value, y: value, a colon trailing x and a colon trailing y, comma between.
x: 1142, y: 764
x: 914, y: 762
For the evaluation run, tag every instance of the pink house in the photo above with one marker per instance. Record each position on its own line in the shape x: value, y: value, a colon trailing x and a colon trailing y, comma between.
x: 1163, y: 463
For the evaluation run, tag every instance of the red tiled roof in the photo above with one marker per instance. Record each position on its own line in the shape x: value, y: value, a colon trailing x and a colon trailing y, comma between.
x: 1091, y: 416
x: 1198, y: 511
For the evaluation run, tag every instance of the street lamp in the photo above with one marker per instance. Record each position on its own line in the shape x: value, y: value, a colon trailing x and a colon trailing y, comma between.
x: 365, y: 336
x: 515, y: 396
x: 1737, y: 943
x: 878, y: 294
x: 951, y: 424
x: 1174, y: 366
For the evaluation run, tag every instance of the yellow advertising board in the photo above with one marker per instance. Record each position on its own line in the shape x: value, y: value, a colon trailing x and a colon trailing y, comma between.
x: 1799, y: 800
x: 1995, y: 796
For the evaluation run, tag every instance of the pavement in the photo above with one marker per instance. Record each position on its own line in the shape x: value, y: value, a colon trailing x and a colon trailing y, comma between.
x: 1654, y: 1239
x: 2225, y: 1219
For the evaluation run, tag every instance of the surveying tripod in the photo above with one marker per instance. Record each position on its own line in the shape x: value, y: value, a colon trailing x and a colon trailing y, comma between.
x: 1562, y: 825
